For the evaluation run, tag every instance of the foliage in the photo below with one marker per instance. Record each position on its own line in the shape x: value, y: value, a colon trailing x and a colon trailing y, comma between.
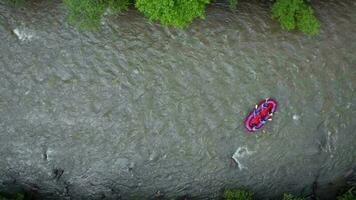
x: 296, y: 14
x: 307, y: 22
x: 349, y: 195
x: 238, y: 195
x: 86, y: 14
x: 18, y: 197
x: 291, y: 197
x: 116, y: 6
x: 178, y: 13
x: 15, y: 3
x: 232, y: 4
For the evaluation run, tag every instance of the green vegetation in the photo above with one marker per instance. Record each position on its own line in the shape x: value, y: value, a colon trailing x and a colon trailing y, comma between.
x: 234, y: 194
x: 238, y: 195
x: 86, y: 14
x: 178, y: 13
x: 232, y: 4
x: 18, y: 197
x: 116, y: 6
x: 294, y: 14
x: 15, y: 3
x: 349, y: 195
x: 291, y: 197
x: 247, y: 195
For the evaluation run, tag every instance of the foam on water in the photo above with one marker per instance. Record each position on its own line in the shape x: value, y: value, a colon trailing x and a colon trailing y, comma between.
x: 24, y: 34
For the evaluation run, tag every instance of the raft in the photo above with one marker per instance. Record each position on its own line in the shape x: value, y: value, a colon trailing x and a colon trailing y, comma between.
x: 262, y: 113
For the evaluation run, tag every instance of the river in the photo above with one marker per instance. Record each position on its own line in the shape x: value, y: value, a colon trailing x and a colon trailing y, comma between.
x: 137, y: 109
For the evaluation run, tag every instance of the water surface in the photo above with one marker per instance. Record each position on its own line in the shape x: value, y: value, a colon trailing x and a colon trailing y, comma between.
x: 138, y: 108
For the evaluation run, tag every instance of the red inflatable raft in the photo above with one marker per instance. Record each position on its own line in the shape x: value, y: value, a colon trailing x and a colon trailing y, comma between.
x: 260, y: 114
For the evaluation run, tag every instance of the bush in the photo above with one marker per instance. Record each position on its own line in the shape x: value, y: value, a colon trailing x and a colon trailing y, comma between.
x: 295, y: 14
x: 238, y: 195
x: 117, y: 6
x: 86, y: 14
x: 15, y: 3
x: 291, y: 197
x: 232, y: 4
x: 349, y: 195
x: 178, y: 13
x: 18, y: 197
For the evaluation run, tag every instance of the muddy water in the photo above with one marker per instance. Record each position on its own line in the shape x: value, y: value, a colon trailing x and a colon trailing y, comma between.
x: 138, y: 108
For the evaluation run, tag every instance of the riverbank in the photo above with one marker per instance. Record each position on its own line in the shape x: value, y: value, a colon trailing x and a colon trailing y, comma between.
x: 87, y: 14
x: 236, y: 194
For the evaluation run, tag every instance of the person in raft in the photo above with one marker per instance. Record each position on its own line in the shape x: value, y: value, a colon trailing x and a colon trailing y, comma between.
x: 263, y: 120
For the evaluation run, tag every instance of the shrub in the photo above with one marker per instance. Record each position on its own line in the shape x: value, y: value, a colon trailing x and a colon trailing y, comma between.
x: 178, y: 13
x: 349, y: 195
x: 116, y: 6
x: 295, y: 14
x: 15, y: 3
x: 232, y: 4
x: 291, y: 197
x: 86, y: 14
x: 18, y: 197
x: 238, y: 195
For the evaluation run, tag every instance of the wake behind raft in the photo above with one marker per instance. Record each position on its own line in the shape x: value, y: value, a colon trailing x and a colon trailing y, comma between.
x: 262, y: 113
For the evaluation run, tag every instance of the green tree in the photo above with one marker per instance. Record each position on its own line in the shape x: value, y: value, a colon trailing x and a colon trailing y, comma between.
x: 238, y: 195
x: 349, y: 195
x: 178, y: 13
x: 296, y: 14
x: 19, y: 196
x: 116, y: 6
x: 15, y: 3
x: 86, y: 14
x: 233, y: 4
